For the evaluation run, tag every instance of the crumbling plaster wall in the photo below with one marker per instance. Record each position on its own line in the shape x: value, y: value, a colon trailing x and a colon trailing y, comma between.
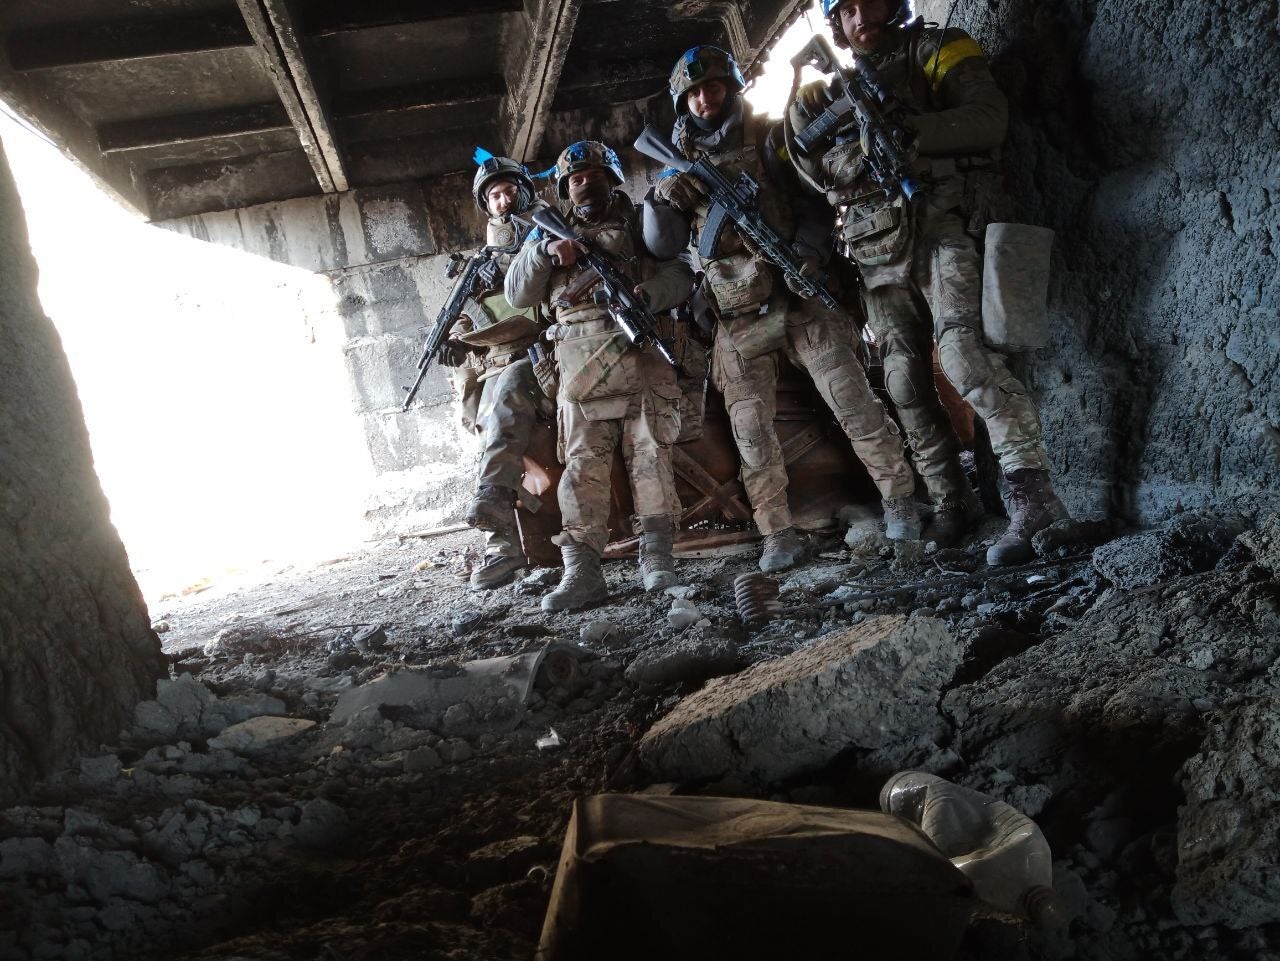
x: 76, y: 646
x: 1145, y: 132
x: 385, y: 250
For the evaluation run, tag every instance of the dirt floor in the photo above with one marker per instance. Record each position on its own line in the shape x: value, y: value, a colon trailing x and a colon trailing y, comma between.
x: 1087, y: 682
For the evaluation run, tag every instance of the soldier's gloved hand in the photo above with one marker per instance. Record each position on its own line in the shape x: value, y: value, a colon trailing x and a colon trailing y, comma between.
x: 811, y: 270
x: 453, y: 353
x: 812, y: 97
x: 488, y: 277
x: 683, y: 191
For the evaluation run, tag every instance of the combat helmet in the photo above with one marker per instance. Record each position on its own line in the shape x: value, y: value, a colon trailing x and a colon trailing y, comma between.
x: 580, y: 156
x: 493, y: 168
x: 698, y: 65
x: 830, y: 8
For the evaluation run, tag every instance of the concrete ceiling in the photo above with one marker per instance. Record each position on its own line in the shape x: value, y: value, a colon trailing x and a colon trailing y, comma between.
x: 188, y: 106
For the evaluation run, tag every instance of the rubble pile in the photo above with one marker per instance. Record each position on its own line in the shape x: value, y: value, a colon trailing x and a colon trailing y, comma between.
x: 291, y: 793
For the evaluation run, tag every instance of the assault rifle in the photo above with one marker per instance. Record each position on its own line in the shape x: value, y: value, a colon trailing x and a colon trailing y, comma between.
x: 450, y: 312
x: 737, y: 202
x: 618, y: 290
x: 863, y: 98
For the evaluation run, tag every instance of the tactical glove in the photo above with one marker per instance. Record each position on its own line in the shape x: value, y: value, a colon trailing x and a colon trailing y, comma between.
x: 812, y: 270
x: 812, y: 97
x: 453, y: 353
x: 683, y: 191
x: 488, y: 277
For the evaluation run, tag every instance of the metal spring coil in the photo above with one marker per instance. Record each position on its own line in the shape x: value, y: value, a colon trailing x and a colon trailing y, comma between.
x: 756, y: 597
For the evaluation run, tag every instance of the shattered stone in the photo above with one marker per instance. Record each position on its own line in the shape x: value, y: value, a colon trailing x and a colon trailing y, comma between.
x: 595, y: 633
x: 465, y: 621
x: 99, y: 771
x: 689, y: 659
x: 455, y: 750
x: 1229, y: 830
x: 421, y: 759
x: 322, y: 824
x: 540, y: 580
x: 1070, y: 536
x: 1264, y: 543
x: 816, y: 580
x: 25, y: 857
x: 872, y: 686
x: 259, y: 733
x: 1189, y: 543
x: 238, y: 639
x: 108, y: 874
x: 683, y: 614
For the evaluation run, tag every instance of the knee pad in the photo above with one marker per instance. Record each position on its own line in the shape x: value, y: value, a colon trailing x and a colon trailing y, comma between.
x: 751, y: 434
x: 903, y: 368
x: 964, y: 361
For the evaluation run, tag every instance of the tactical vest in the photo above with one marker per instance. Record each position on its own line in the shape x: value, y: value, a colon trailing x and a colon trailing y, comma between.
x: 489, y: 320
x: 571, y: 288
x: 872, y: 231
x: 738, y: 282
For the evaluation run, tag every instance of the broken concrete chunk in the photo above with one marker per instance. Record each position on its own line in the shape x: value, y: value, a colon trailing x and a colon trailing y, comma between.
x: 816, y: 580
x: 1229, y: 829
x: 874, y: 686
x: 594, y: 633
x: 683, y: 614
x: 421, y: 759
x: 1070, y: 536
x: 259, y: 733
x: 1189, y: 543
x: 690, y: 659
x: 98, y: 771
x: 322, y: 824
x: 1264, y: 543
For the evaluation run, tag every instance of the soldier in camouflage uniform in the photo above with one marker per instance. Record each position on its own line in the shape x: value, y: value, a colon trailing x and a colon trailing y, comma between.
x: 493, y: 376
x: 915, y: 263
x: 609, y: 393
x: 759, y: 320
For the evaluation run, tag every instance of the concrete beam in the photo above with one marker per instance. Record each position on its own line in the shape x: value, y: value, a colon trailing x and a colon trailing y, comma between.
x: 131, y: 136
x: 272, y: 25
x: 325, y: 17
x: 527, y: 108
x: 48, y: 48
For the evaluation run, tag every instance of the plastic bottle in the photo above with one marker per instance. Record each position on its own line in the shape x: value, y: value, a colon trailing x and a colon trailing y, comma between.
x: 996, y: 846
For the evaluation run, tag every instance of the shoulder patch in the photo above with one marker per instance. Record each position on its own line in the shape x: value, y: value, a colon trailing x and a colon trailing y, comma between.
x: 668, y: 172
x: 948, y: 57
x: 535, y: 235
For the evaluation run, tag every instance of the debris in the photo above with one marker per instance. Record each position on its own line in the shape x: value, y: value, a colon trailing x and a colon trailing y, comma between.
x: 595, y: 633
x: 782, y: 718
x: 97, y: 771
x: 259, y: 733
x: 815, y: 580
x: 1264, y: 543
x: 756, y: 597
x: 683, y: 614
x: 370, y: 638
x: 465, y: 621
x: 1227, y: 869
x: 689, y: 659
x: 540, y: 580
x: 1190, y: 542
x: 322, y: 825
x: 740, y: 878
x: 436, y: 531
x: 550, y: 742
x: 421, y: 759
x: 236, y: 640
x: 1069, y: 536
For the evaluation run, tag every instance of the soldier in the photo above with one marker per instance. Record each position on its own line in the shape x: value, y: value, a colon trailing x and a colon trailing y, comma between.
x: 493, y: 376
x: 609, y: 393
x: 957, y: 118
x: 759, y: 321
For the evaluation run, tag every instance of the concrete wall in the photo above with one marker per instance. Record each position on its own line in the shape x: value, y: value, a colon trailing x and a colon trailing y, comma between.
x: 1145, y: 133
x: 384, y: 250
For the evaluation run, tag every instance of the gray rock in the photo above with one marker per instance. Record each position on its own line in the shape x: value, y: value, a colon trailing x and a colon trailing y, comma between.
x: 98, y: 771
x: 873, y: 686
x: 1070, y: 536
x: 455, y: 750
x: 683, y: 614
x: 1264, y: 543
x: 322, y: 824
x: 594, y: 633
x: 259, y: 733
x: 108, y: 874
x: 1229, y: 830
x: 690, y: 659
x: 23, y: 857
x: 238, y: 639
x: 816, y: 580
x: 1190, y: 542
x: 421, y: 759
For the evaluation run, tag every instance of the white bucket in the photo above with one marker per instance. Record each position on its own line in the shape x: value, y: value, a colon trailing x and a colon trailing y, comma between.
x: 1015, y: 286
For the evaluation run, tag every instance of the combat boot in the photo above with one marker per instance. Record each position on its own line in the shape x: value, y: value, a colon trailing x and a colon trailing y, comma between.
x: 954, y: 517
x: 782, y: 549
x: 1033, y: 507
x: 657, y: 566
x: 901, y: 519
x: 582, y: 584
x: 496, y: 570
x: 492, y: 509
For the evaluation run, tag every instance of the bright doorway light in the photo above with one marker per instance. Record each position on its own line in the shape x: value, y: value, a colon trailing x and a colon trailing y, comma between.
x: 212, y: 381
x: 768, y: 94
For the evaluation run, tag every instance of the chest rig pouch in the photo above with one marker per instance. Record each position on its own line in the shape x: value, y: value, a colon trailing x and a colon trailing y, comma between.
x: 595, y: 359
x: 740, y: 284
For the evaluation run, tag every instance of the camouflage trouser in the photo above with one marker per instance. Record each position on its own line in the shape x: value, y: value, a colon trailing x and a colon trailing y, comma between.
x: 947, y: 269
x: 506, y: 415
x: 822, y: 344
x: 646, y: 424
x: 466, y: 384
